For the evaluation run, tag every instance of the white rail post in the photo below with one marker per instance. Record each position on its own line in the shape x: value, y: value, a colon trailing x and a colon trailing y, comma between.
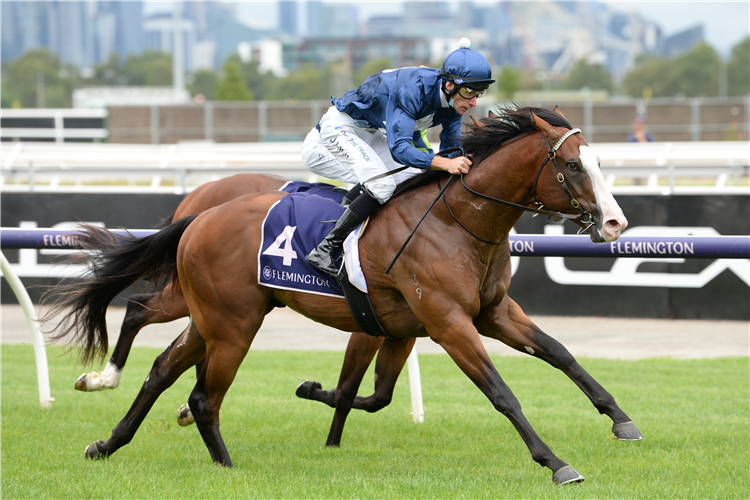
x: 42, y: 373
x: 415, y: 387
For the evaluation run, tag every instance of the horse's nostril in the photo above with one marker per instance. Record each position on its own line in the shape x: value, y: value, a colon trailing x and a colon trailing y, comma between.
x: 612, y: 226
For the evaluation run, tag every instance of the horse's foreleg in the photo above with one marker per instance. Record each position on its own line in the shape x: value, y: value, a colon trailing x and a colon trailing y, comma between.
x: 511, y: 326
x: 183, y: 353
x: 461, y: 341
x: 142, y: 310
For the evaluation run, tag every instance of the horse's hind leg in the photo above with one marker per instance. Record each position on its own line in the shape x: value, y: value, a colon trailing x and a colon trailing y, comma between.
x: 510, y: 325
x: 184, y: 352
x: 229, y: 332
x: 389, y: 363
x: 141, y: 310
x: 394, y: 352
x: 223, y: 359
x: 360, y: 351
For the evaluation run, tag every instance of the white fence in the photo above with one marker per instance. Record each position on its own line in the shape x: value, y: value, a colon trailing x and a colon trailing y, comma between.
x: 56, y: 124
x: 659, y: 168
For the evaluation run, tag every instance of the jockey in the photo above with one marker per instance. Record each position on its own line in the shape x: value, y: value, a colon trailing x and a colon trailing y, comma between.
x: 373, y: 130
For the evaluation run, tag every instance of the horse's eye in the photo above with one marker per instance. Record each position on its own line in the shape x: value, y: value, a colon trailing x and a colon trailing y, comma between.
x: 572, y: 165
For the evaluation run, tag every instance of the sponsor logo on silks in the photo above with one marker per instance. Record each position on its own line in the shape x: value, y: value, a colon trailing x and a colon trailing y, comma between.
x: 624, y: 271
x: 356, y: 146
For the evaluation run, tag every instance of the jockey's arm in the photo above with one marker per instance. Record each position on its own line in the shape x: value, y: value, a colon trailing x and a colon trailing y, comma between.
x: 400, y: 130
x: 449, y: 138
x: 455, y: 166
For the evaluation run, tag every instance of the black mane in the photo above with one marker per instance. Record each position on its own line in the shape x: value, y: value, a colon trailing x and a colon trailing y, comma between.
x: 509, y: 124
x: 483, y: 141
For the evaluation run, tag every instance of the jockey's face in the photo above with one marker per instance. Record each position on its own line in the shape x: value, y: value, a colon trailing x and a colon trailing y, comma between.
x: 460, y: 103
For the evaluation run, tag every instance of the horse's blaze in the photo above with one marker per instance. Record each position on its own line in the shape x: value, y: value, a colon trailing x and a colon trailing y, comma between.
x: 613, y: 221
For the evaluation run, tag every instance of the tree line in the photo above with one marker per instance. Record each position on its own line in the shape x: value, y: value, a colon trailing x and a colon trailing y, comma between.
x: 39, y: 79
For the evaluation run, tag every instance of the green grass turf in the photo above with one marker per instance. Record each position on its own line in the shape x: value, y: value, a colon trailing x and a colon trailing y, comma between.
x: 695, y: 416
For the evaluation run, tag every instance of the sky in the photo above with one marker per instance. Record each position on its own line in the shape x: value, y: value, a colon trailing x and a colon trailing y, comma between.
x: 725, y: 22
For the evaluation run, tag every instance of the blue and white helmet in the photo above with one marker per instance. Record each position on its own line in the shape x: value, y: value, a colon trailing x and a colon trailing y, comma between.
x: 467, y: 67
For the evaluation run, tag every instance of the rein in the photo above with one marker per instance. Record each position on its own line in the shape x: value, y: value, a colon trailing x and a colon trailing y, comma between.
x: 551, y: 157
x: 445, y: 152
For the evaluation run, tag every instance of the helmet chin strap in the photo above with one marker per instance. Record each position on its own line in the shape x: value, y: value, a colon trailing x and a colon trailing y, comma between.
x: 449, y: 95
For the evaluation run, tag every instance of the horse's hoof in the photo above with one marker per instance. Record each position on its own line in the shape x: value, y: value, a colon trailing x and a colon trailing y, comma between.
x: 89, y: 382
x: 567, y: 475
x: 185, y: 416
x: 627, y: 431
x: 306, y: 388
x: 92, y: 450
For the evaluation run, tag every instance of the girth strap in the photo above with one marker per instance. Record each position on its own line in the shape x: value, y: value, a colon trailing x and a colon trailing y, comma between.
x: 361, y: 307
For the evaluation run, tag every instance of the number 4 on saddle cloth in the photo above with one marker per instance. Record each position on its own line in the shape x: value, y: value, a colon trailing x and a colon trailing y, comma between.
x: 291, y: 230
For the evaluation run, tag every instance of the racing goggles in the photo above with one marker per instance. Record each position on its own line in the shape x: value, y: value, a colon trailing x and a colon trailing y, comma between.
x: 469, y: 93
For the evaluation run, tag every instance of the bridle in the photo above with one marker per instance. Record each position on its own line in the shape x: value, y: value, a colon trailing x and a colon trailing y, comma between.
x: 551, y: 157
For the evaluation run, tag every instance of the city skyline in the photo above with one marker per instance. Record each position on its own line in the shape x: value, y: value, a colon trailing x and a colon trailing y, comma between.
x: 725, y: 22
x: 542, y: 37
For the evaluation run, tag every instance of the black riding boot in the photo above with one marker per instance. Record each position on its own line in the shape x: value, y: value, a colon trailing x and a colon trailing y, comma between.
x: 352, y: 194
x: 359, y: 209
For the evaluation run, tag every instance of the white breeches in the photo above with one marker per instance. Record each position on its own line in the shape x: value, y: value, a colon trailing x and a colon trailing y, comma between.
x: 345, y: 151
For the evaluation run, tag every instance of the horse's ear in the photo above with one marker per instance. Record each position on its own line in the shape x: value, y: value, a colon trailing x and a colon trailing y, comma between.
x: 557, y: 110
x: 542, y: 125
x: 475, y: 123
x: 492, y: 115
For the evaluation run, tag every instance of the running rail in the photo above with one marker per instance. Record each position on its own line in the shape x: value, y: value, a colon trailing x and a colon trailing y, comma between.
x: 521, y: 245
x: 698, y: 247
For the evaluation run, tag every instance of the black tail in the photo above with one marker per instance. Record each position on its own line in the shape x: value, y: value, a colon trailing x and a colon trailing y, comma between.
x: 116, y: 263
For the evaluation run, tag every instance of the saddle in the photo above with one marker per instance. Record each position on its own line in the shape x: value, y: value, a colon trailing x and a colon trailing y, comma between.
x: 290, y: 230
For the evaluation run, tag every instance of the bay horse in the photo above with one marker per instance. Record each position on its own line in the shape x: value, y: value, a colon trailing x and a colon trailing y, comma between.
x: 460, y: 262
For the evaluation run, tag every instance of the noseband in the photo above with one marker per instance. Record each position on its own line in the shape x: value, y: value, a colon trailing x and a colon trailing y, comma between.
x: 551, y: 157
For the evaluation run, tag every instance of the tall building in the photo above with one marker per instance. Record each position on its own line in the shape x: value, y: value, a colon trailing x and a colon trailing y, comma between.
x: 11, y: 30
x: 316, y: 19
x: 288, y: 17
x: 71, y: 33
x: 197, y: 11
x: 682, y: 41
x: 61, y: 27
x: 158, y: 33
x: 119, y: 29
x: 226, y: 32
